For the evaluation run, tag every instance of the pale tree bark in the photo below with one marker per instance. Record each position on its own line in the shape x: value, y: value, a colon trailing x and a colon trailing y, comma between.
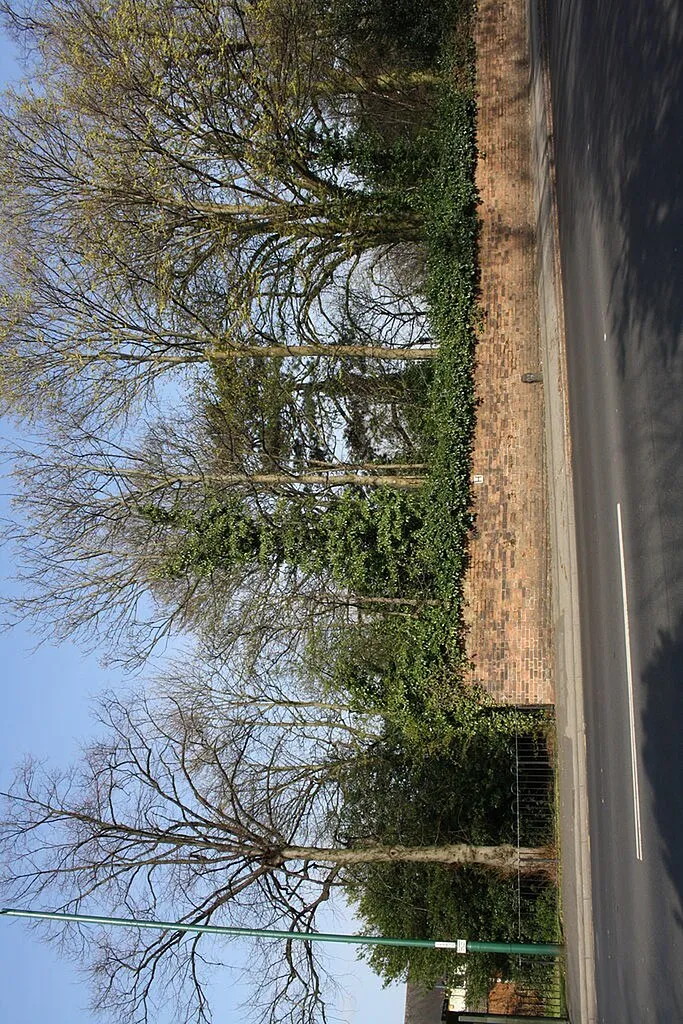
x: 504, y: 859
x: 232, y: 352
x: 364, y: 474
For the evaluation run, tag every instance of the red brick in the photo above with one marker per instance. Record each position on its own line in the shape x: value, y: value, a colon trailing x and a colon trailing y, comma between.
x: 507, y: 588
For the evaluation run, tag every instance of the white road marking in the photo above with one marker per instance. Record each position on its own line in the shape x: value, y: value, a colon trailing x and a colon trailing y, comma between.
x: 629, y: 678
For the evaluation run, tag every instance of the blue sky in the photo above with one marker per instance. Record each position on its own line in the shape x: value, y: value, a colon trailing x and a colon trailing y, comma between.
x: 46, y: 695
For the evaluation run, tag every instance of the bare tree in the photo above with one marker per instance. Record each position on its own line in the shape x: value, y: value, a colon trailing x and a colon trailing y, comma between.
x: 128, y: 543
x: 169, y: 187
x: 178, y: 813
x: 100, y: 341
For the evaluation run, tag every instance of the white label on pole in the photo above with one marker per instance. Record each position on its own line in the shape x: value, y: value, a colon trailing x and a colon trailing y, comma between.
x: 445, y: 945
x: 461, y: 945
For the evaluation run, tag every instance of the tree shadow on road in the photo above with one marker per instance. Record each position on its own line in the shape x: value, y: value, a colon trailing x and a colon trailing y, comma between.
x: 621, y: 62
x: 662, y: 722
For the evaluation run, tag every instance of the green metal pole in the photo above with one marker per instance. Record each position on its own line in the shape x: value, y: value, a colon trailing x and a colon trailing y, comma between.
x: 458, y: 946
x: 505, y: 1018
x: 517, y: 948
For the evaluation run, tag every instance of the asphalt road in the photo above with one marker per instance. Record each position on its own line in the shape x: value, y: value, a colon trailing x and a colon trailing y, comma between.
x: 617, y: 84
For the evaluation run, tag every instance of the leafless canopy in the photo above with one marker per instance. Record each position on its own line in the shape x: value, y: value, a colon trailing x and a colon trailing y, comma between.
x: 93, y: 564
x: 176, y: 816
x: 168, y: 196
x: 216, y: 804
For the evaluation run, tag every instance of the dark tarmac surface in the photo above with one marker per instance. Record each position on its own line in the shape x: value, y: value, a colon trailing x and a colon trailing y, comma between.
x: 617, y: 89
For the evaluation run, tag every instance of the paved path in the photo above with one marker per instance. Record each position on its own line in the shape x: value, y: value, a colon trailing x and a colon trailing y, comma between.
x: 524, y: 634
x: 577, y: 916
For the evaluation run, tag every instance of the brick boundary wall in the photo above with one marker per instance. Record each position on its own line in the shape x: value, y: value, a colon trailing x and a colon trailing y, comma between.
x: 507, y: 587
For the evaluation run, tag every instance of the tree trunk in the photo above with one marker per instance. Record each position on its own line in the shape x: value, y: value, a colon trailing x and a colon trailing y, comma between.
x: 232, y: 352
x: 331, y: 478
x: 384, y: 84
x: 327, y: 351
x: 325, y: 479
x: 384, y: 389
x: 412, y: 602
x: 505, y: 859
